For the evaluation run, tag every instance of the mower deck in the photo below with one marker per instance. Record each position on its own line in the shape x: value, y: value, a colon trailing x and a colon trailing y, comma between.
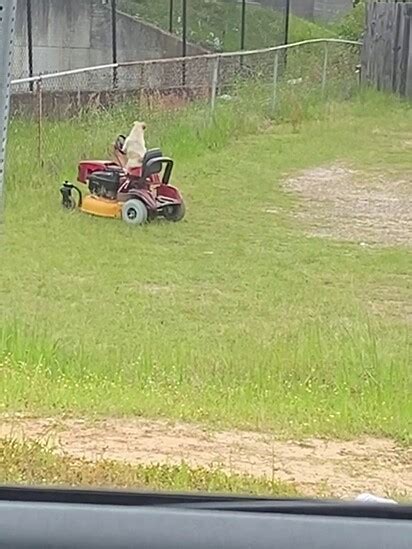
x: 101, y: 207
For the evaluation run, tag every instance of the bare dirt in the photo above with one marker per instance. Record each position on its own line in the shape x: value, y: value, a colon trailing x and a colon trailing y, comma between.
x: 327, y: 467
x: 346, y: 204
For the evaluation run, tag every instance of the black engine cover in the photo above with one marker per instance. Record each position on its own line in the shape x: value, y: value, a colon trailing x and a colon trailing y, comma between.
x: 104, y: 184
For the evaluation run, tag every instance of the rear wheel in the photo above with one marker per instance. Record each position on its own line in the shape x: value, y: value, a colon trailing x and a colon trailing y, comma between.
x: 175, y: 212
x: 134, y: 212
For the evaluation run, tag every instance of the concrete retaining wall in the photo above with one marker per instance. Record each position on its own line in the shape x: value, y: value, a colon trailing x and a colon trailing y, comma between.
x: 70, y: 34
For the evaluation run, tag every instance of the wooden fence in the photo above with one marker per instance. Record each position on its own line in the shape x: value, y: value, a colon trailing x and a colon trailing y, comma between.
x: 387, y: 47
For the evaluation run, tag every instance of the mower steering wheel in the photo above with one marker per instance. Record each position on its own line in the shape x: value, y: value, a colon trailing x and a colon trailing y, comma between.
x: 119, y: 143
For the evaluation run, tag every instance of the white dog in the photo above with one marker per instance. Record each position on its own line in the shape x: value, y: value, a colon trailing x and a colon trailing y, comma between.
x: 134, y: 146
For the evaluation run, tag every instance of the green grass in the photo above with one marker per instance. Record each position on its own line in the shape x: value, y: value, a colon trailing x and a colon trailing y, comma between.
x: 215, y: 24
x: 232, y: 317
x: 32, y: 464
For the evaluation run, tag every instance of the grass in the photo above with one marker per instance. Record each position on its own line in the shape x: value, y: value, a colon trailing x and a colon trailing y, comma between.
x: 33, y: 464
x: 232, y: 317
x: 216, y: 24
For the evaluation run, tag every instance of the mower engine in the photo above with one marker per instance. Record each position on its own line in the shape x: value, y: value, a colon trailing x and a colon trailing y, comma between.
x: 105, y: 184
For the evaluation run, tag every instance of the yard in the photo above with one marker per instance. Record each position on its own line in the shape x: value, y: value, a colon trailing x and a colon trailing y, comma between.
x: 281, y: 305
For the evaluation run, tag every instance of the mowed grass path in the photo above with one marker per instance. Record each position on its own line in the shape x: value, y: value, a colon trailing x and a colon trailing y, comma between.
x: 233, y: 316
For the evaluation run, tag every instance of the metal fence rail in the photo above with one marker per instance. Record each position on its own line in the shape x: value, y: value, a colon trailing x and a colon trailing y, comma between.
x: 192, y: 58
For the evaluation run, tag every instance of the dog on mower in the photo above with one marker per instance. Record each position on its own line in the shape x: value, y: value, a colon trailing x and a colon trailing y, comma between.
x: 135, y: 146
x: 134, y: 187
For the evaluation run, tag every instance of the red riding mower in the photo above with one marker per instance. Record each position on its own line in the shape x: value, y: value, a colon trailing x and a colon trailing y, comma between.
x: 136, y: 196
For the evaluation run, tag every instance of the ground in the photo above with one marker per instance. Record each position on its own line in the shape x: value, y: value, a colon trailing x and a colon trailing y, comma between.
x: 373, y: 209
x: 268, y: 333
x: 314, y: 466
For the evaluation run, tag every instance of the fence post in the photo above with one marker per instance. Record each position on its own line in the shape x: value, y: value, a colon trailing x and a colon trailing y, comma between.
x: 171, y: 9
x: 215, y: 80
x: 40, y: 121
x: 287, y: 28
x: 325, y: 70
x: 30, y: 40
x: 141, y: 86
x: 7, y: 25
x: 114, y: 41
x: 242, y: 29
x: 184, y: 40
x: 275, y: 83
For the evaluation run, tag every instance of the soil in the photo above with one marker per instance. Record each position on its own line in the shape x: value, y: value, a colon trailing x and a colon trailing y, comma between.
x: 316, y: 466
x: 345, y: 204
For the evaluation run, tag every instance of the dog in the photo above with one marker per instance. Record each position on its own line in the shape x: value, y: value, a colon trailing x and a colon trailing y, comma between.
x: 135, y: 146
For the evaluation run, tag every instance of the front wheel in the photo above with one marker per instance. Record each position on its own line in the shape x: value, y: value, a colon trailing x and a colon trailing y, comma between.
x: 134, y: 212
x: 68, y: 200
x: 175, y: 212
x: 69, y: 203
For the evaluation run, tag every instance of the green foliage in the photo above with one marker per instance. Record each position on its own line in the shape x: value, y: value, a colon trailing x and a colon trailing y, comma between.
x: 352, y: 26
x: 215, y: 24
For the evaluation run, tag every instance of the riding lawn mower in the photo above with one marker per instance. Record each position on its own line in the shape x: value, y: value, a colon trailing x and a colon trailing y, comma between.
x: 137, y: 196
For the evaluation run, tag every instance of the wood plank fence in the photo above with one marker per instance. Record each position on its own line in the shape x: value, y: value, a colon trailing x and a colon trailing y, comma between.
x: 387, y: 47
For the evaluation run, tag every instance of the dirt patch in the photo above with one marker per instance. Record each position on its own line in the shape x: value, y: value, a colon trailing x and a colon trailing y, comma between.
x: 345, y: 204
x: 316, y: 466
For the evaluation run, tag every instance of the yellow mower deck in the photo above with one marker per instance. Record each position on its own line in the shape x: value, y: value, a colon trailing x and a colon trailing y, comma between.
x: 101, y: 207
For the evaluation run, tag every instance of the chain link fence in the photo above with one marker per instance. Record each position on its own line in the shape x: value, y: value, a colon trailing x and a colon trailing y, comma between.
x: 83, y: 110
x: 57, y: 36
x: 217, y: 25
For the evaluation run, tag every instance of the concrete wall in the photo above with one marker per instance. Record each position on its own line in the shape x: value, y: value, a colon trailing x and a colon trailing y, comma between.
x: 325, y: 10
x: 328, y: 10
x: 303, y: 8
x: 70, y: 34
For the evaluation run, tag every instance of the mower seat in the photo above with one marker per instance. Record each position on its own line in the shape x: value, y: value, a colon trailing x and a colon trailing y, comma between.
x: 149, y: 168
x: 153, y: 163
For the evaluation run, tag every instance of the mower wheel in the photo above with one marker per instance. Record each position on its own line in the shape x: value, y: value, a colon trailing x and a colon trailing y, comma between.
x: 68, y: 200
x: 69, y: 203
x: 175, y: 213
x: 134, y: 212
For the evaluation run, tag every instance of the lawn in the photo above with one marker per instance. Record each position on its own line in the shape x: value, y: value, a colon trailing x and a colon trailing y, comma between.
x: 235, y: 316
